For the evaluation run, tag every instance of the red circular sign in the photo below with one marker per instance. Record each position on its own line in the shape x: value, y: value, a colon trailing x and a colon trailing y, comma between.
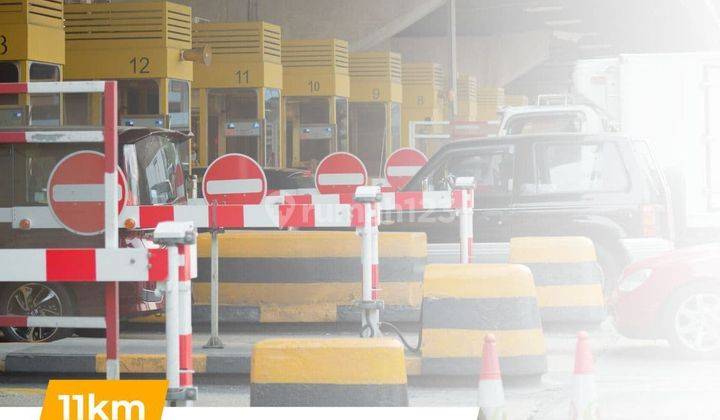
x: 234, y: 179
x: 76, y: 192
x: 339, y: 173
x: 402, y: 165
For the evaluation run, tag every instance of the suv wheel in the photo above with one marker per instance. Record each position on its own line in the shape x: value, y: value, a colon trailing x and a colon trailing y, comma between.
x: 36, y: 299
x: 692, y: 322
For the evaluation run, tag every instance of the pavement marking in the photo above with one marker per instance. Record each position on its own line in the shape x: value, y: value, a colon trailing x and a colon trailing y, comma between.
x: 21, y: 391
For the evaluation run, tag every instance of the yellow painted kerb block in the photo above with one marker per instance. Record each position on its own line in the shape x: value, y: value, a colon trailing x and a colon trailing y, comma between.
x: 329, y: 361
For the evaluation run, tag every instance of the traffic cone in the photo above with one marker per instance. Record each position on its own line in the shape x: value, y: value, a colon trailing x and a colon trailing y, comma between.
x: 491, y: 397
x: 584, y: 404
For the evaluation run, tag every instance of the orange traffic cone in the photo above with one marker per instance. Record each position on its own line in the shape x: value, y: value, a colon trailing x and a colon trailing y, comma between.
x: 491, y: 397
x: 584, y: 404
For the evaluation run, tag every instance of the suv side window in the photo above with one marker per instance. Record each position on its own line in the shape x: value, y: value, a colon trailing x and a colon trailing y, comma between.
x: 574, y: 168
x: 491, y: 167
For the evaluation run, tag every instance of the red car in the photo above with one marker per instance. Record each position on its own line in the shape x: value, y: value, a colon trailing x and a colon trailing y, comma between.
x: 152, y: 161
x: 674, y: 296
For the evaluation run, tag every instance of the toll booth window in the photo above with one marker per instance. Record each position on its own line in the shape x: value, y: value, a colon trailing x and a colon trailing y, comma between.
x: 9, y: 73
x: 314, y: 111
x: 491, y: 168
x: 395, y: 125
x: 547, y: 123
x: 160, y: 174
x: 6, y: 176
x: 138, y: 97
x: 44, y: 108
x: 272, y: 128
x: 341, y: 123
x: 573, y: 168
x: 31, y: 170
x: 179, y: 104
x: 83, y: 109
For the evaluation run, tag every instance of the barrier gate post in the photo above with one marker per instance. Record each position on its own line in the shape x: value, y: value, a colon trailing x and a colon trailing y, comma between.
x: 466, y: 187
x: 176, y: 236
x: 370, y: 306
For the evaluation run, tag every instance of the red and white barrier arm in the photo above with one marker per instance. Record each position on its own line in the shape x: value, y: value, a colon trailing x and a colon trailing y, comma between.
x: 94, y: 322
x: 83, y: 265
x: 391, y: 201
x: 248, y: 216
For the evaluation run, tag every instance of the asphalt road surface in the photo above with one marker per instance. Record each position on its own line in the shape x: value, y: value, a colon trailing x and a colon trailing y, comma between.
x: 635, y: 380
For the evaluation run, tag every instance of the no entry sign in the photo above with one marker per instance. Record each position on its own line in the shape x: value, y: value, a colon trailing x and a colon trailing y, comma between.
x: 402, y: 165
x: 76, y: 192
x: 234, y: 179
x: 340, y: 173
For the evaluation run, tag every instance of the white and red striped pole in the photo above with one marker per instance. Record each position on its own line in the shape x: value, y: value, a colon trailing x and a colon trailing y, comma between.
x: 466, y: 187
x: 185, y: 327
x: 112, y: 290
x: 177, y: 237
x: 172, y: 322
x: 369, y: 198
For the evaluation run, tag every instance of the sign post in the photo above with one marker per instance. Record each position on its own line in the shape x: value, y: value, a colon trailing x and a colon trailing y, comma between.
x: 231, y: 179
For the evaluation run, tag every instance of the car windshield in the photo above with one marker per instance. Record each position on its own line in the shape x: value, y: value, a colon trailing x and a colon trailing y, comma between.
x: 154, y: 171
x: 557, y: 122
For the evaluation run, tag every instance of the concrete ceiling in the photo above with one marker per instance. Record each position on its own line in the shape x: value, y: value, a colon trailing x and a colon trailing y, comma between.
x: 588, y: 27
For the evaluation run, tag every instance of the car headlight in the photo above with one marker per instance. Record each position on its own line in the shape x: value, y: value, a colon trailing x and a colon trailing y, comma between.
x: 634, y: 280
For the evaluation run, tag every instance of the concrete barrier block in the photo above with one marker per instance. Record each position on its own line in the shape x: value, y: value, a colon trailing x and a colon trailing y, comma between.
x: 462, y: 303
x: 567, y: 276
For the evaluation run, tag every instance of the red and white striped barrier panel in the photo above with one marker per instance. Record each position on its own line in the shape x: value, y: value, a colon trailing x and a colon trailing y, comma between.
x: 60, y: 136
x: 248, y: 216
x: 83, y: 265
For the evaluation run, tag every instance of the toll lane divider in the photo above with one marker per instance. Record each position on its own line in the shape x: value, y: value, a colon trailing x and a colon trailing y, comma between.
x: 567, y: 277
x: 334, y: 372
x: 313, y: 277
x: 462, y: 303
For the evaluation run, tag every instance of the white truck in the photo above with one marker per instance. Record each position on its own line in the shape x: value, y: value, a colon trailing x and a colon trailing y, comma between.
x: 673, y: 102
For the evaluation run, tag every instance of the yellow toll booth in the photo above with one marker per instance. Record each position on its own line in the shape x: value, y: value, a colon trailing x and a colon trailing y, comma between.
x: 316, y: 88
x: 238, y: 95
x: 423, y: 97
x: 375, y: 107
x: 490, y: 101
x: 32, y: 49
x: 145, y: 46
x: 467, y: 98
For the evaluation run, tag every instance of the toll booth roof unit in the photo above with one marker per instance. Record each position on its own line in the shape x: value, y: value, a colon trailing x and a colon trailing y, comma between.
x: 423, y: 74
x: 313, y: 67
x: 128, y: 40
x: 467, y: 89
x: 245, y: 55
x: 32, y: 30
x: 304, y: 53
x: 130, y: 25
x: 376, y: 65
x: 376, y: 77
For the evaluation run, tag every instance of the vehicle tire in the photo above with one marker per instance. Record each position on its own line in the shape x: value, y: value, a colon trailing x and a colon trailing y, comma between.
x: 612, y: 267
x: 39, y: 299
x: 692, y: 321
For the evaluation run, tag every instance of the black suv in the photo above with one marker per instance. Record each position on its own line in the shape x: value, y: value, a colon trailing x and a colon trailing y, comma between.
x: 606, y: 187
